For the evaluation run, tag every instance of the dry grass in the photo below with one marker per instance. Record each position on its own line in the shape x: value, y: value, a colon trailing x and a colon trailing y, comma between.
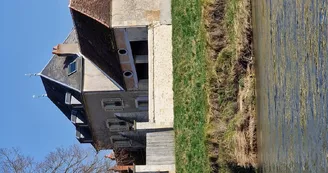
x: 231, y: 131
x: 214, y: 92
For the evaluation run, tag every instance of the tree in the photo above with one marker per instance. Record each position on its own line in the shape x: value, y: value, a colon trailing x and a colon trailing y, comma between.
x: 11, y: 160
x: 62, y: 160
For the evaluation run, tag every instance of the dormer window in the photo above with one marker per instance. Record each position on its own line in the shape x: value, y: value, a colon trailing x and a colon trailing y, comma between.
x: 72, y: 68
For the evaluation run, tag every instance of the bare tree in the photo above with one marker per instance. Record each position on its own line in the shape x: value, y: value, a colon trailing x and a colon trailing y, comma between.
x: 73, y: 159
x: 11, y: 160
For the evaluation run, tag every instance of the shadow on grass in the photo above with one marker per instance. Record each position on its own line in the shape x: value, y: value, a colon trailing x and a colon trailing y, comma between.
x: 238, y: 169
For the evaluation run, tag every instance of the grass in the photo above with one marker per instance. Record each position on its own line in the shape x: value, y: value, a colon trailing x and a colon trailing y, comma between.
x: 231, y: 130
x: 189, y: 51
x: 213, y: 86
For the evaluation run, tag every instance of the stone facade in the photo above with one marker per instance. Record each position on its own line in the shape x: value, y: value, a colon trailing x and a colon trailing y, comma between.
x: 126, y: 13
x: 123, y: 97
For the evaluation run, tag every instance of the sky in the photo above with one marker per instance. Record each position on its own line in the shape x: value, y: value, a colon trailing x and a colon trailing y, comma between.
x: 28, y: 32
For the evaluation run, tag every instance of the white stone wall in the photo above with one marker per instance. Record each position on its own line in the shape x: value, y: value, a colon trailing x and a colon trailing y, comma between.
x: 134, y: 12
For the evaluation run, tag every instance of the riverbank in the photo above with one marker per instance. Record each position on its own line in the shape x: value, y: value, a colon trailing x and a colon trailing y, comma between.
x: 214, y: 86
x: 189, y: 73
x: 231, y: 131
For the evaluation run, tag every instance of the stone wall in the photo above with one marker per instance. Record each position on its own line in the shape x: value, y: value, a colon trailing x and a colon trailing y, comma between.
x: 134, y: 12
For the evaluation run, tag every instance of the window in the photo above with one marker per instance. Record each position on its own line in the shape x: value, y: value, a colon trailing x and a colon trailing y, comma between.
x: 68, y: 98
x: 83, y: 133
x: 77, y: 117
x: 72, y: 67
x: 116, y: 125
x: 142, y: 103
x: 122, y: 123
x: 71, y: 100
x: 120, y: 141
x: 112, y: 104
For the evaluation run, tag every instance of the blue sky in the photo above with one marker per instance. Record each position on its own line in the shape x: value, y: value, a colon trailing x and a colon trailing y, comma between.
x: 28, y: 31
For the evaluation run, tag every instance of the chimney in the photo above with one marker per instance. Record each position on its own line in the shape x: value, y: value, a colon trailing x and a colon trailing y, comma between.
x: 66, y: 49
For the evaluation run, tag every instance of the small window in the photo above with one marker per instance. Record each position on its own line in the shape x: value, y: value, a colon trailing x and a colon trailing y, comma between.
x: 112, y: 104
x: 120, y: 141
x: 68, y: 98
x: 112, y: 123
x: 122, y: 123
x: 74, y: 112
x: 142, y: 103
x: 71, y: 100
x: 77, y: 117
x: 116, y: 125
x: 72, y: 67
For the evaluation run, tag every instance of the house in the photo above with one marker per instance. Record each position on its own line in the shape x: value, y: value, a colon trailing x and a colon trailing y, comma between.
x: 112, y: 78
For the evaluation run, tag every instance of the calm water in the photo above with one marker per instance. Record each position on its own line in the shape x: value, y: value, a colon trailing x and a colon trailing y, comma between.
x: 292, y: 70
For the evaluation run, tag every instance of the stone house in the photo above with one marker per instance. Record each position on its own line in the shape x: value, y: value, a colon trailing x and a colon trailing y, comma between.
x: 112, y: 78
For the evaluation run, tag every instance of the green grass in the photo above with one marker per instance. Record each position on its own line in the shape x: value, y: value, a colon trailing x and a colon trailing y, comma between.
x: 230, y: 18
x: 205, y: 138
x: 190, y: 103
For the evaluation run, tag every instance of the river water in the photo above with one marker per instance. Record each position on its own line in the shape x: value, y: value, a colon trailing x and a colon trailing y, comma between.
x: 291, y: 51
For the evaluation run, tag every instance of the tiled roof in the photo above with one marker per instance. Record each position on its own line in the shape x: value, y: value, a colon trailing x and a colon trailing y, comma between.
x: 98, y: 10
x: 97, y: 43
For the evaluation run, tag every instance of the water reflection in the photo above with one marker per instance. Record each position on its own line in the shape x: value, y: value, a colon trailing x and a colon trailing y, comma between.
x: 292, y: 68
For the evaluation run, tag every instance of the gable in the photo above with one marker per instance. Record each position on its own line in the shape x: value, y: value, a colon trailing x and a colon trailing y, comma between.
x: 59, y: 67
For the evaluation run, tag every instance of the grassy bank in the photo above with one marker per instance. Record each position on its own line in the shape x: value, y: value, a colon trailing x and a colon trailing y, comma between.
x: 189, y: 42
x: 231, y: 128
x: 213, y: 86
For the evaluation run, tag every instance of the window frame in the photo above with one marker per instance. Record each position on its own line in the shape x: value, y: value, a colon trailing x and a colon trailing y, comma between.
x: 142, y: 98
x: 120, y: 141
x: 114, y: 125
x: 115, y: 108
x: 69, y: 68
x: 77, y: 117
x: 68, y: 97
